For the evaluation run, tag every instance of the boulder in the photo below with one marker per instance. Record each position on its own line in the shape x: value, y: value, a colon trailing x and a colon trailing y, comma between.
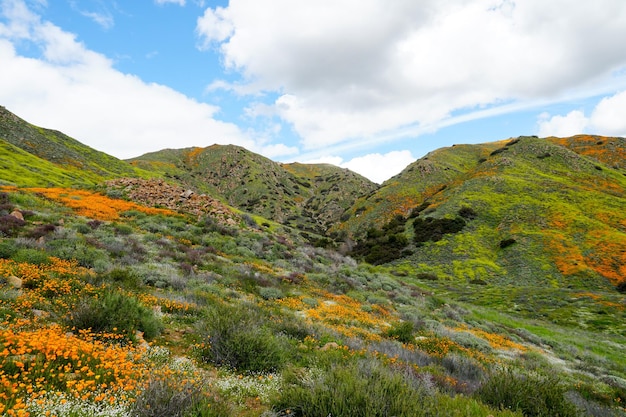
x: 330, y: 345
x: 187, y: 194
x: 14, y: 281
x: 17, y: 214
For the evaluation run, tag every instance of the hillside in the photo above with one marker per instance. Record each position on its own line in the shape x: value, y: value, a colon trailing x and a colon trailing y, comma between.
x: 527, y: 212
x: 249, y: 322
x: 37, y: 156
x: 493, y: 285
x: 310, y: 198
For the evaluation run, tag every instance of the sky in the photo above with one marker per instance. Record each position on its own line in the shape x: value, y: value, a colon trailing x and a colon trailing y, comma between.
x: 369, y: 85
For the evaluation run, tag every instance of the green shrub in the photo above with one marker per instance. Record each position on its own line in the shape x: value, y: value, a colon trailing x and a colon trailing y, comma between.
x: 210, y: 407
x: 432, y: 229
x: 82, y: 228
x: 239, y: 337
x: 463, y: 368
x: 534, y: 395
x: 467, y: 213
x: 123, y: 229
x: 270, y: 293
x: 505, y: 243
x: 364, y: 388
x: 7, y: 248
x: 426, y: 276
x: 116, y: 312
x: 173, y: 398
x: 499, y: 150
x: 77, y: 249
x: 31, y: 256
x: 125, y: 277
x: 164, y: 397
x: 402, y: 331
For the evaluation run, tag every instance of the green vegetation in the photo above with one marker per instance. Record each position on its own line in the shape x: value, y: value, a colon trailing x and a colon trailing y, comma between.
x: 240, y: 337
x: 533, y: 394
x: 310, y: 198
x: 115, y: 312
x: 486, y: 284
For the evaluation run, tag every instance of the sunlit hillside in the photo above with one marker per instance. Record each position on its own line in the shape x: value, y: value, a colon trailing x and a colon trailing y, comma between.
x: 484, y: 280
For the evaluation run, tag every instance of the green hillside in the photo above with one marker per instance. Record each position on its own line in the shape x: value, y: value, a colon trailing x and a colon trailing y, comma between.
x: 31, y: 155
x: 527, y: 213
x: 308, y: 197
x: 483, y: 280
x: 245, y: 322
x: 20, y: 167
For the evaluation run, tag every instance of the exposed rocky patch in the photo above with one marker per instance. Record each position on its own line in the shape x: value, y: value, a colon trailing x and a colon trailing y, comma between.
x: 158, y: 193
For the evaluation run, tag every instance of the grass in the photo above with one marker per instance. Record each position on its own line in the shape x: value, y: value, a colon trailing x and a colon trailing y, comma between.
x: 534, y: 395
x: 25, y: 169
x: 255, y: 322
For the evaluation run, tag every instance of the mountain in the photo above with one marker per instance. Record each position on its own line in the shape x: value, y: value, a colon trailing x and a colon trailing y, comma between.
x: 485, y: 280
x: 310, y: 198
x: 36, y: 156
x: 526, y: 211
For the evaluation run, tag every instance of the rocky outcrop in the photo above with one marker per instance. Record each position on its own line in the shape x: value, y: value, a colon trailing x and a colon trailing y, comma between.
x: 158, y: 193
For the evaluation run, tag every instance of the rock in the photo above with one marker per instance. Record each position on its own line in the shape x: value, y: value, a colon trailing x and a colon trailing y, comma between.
x: 141, y: 342
x: 330, y: 345
x: 187, y: 194
x: 14, y: 281
x: 17, y: 214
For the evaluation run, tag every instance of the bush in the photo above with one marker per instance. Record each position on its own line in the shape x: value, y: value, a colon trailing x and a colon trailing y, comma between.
x: 41, y: 230
x: 426, y: 276
x: 621, y: 287
x: 402, y: 331
x: 86, y: 255
x: 239, y: 337
x: 463, y: 367
x: 116, y: 312
x: 270, y: 293
x: 432, y: 229
x: 166, y: 398
x: 126, y: 277
x: 534, y: 395
x: 31, y: 256
x: 364, y: 388
x: 505, y: 243
x: 173, y: 398
x: 123, y: 229
x: 7, y: 249
x: 468, y: 213
x: 499, y: 150
x: 9, y: 225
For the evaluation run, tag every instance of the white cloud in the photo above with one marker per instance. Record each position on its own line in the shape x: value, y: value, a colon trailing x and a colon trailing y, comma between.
x: 609, y: 116
x: 380, y: 167
x: 77, y: 91
x: 105, y: 20
x: 329, y: 159
x: 213, y: 27
x: 376, y: 167
x: 102, y: 17
x: 347, y: 69
x: 276, y: 150
x: 179, y: 2
x: 574, y: 123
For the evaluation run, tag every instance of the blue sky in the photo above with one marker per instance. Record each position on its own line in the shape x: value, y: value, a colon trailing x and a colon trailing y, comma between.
x: 369, y: 85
